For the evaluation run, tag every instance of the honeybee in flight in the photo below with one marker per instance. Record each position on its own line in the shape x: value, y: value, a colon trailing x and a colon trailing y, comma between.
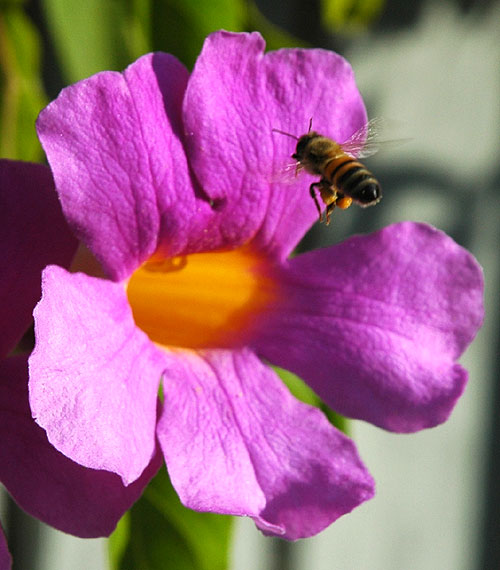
x: 343, y: 178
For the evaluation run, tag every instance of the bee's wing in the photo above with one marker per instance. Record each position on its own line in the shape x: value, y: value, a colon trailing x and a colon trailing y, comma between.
x: 286, y: 172
x: 360, y: 149
x: 363, y: 142
x: 366, y: 140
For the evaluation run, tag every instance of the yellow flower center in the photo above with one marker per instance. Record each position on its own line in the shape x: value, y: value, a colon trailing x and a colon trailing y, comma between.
x: 200, y: 300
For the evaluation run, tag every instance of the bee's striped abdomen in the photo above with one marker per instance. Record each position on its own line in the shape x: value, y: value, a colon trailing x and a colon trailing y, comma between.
x: 351, y: 178
x: 336, y: 166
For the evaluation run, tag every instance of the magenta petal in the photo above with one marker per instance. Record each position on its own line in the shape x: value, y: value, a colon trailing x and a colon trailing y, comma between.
x: 33, y: 234
x: 237, y: 442
x: 45, y: 483
x: 375, y: 324
x: 113, y: 145
x: 235, y: 97
x: 94, y: 376
x: 5, y: 558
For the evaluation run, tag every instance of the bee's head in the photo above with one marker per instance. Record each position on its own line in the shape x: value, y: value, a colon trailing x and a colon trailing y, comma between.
x: 302, y: 145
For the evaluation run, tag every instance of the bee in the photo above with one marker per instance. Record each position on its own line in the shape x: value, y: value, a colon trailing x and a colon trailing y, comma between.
x: 343, y: 178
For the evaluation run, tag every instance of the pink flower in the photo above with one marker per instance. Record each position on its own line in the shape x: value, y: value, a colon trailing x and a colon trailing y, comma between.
x: 167, y: 177
x: 45, y: 483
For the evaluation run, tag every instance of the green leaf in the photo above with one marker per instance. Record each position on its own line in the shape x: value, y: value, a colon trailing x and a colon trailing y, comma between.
x: 350, y: 16
x: 158, y: 533
x: 136, y: 27
x: 303, y: 393
x: 21, y: 93
x: 118, y: 541
x: 180, y: 27
x: 89, y: 35
x: 275, y: 36
x: 342, y: 423
x: 298, y: 387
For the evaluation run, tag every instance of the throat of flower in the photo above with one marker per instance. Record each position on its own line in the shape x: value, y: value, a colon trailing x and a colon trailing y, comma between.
x: 202, y: 300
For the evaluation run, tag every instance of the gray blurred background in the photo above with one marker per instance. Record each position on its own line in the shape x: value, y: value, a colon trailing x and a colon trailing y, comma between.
x: 437, y: 77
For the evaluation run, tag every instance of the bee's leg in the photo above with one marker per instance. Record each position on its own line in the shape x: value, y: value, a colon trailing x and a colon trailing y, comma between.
x: 328, y: 211
x: 312, y: 191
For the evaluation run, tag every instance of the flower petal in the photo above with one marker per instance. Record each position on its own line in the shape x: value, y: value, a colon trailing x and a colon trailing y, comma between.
x: 235, y: 97
x: 113, y: 142
x: 94, y: 376
x: 48, y: 485
x: 237, y: 442
x: 5, y: 558
x: 33, y: 233
x: 375, y: 324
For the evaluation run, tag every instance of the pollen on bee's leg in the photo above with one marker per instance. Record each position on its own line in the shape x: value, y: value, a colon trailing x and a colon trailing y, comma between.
x: 202, y: 300
x: 344, y: 202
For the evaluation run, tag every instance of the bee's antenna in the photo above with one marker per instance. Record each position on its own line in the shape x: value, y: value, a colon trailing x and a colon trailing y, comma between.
x: 286, y: 134
x: 310, y: 124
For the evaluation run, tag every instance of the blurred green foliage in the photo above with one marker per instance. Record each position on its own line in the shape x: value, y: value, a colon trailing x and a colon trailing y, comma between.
x: 21, y: 92
x: 303, y: 393
x: 349, y: 16
x: 158, y: 532
x: 85, y: 37
x: 88, y: 36
x: 181, y: 27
